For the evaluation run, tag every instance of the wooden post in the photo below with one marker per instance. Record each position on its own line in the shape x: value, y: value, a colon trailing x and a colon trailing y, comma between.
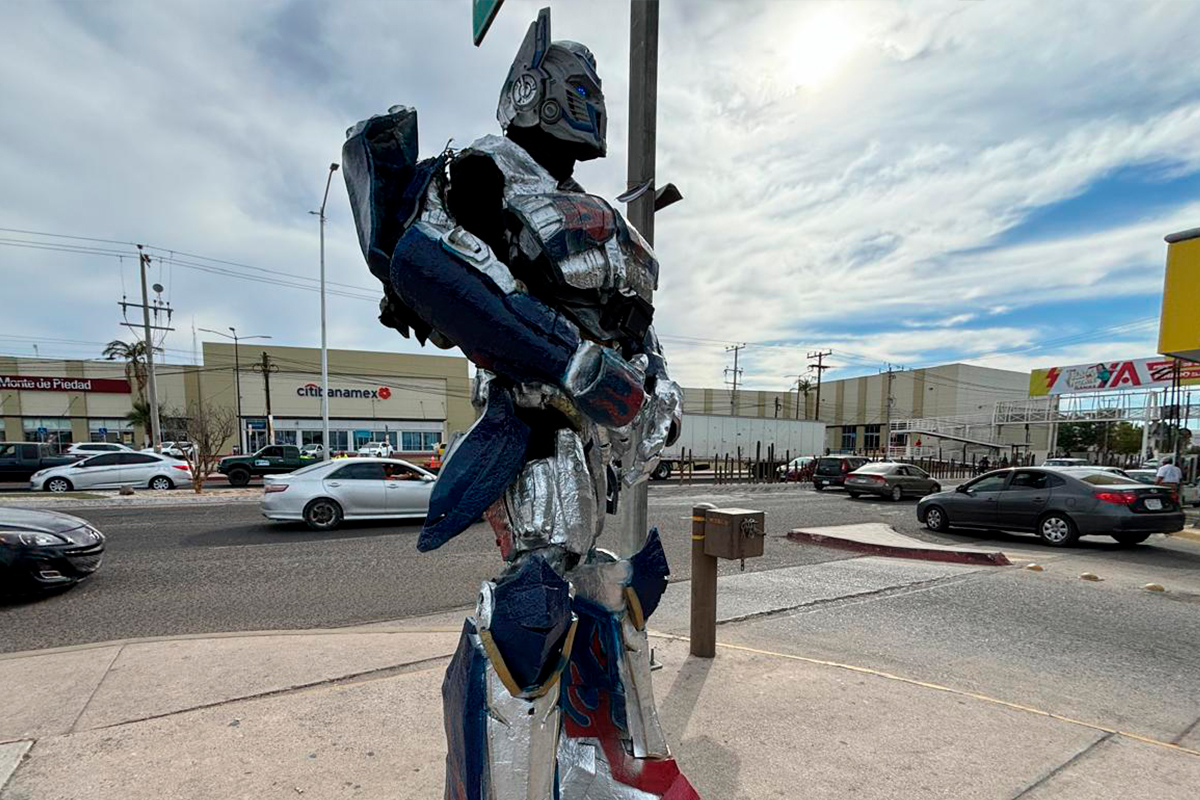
x: 704, y: 589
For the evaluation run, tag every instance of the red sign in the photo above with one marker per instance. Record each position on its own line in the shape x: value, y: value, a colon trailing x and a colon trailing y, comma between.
x: 48, y: 383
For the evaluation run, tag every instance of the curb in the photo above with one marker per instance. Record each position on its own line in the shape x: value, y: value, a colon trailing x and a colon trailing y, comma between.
x: 978, y: 558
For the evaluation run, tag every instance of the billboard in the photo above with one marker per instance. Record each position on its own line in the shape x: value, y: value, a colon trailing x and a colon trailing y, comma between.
x: 48, y: 383
x: 1107, y: 376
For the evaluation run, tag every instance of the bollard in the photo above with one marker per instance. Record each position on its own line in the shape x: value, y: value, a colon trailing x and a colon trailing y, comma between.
x: 704, y: 589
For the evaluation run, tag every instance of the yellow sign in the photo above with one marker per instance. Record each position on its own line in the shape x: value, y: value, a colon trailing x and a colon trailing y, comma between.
x: 1179, y: 328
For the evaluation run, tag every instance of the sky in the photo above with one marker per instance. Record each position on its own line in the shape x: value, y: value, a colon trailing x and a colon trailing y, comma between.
x: 903, y: 183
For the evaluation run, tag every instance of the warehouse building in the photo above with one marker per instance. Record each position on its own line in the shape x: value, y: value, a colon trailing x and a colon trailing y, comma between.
x: 413, y: 401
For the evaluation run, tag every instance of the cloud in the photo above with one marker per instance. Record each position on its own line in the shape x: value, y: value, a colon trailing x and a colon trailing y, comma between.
x: 853, y: 173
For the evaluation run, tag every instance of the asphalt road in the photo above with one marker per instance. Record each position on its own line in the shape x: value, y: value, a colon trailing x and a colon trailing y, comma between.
x: 207, y: 568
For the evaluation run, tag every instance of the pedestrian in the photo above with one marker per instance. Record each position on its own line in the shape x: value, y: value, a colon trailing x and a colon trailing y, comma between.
x: 1170, y: 476
x: 984, y: 464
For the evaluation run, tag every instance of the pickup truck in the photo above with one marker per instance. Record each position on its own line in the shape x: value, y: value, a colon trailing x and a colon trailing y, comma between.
x: 19, y: 460
x: 274, y: 459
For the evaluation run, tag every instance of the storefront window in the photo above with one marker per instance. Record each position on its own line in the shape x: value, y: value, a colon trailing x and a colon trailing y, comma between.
x: 118, y: 431
x: 849, y: 437
x: 54, y: 431
x: 285, y: 437
x: 871, y: 437
x: 420, y: 441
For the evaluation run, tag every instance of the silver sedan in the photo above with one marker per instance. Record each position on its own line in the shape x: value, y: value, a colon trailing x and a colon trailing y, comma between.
x: 326, y: 493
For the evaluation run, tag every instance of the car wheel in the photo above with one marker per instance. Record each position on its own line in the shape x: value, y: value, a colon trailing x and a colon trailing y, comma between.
x: 58, y: 485
x: 897, y: 494
x: 818, y: 486
x: 853, y: 494
x: 1131, y: 538
x: 161, y: 483
x: 323, y: 514
x: 239, y: 477
x: 935, y: 489
x: 936, y: 519
x: 662, y: 471
x: 1057, y: 530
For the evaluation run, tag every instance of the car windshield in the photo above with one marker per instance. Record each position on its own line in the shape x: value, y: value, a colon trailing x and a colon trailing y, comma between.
x: 1100, y: 478
x: 313, y: 467
x: 829, y: 465
x: 876, y: 469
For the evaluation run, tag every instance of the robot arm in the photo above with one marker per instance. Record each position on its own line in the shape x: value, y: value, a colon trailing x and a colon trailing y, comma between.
x: 659, y: 422
x: 454, y: 282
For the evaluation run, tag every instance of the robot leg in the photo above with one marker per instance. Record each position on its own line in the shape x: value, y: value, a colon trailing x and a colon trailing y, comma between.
x: 501, y: 691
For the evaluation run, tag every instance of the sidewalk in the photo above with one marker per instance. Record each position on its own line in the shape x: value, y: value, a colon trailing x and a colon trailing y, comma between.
x: 356, y: 713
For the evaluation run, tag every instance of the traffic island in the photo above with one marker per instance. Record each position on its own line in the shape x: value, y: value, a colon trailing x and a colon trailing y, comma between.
x: 878, y: 539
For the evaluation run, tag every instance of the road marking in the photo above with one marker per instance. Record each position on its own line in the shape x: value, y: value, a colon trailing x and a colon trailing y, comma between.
x: 949, y: 690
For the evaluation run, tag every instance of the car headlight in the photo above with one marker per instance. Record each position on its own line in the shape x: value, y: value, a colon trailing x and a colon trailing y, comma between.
x: 30, y: 538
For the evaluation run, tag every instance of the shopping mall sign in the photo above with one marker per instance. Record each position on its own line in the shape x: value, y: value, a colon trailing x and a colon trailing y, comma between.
x: 1107, y: 376
x: 314, y: 390
x: 47, y: 383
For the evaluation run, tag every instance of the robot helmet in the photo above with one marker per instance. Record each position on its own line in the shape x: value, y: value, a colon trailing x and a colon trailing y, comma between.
x: 554, y: 86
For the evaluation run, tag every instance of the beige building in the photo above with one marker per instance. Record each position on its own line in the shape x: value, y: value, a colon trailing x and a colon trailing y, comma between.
x: 855, y: 410
x: 414, y: 401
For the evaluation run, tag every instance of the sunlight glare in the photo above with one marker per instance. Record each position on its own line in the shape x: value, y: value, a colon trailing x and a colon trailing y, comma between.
x: 822, y: 44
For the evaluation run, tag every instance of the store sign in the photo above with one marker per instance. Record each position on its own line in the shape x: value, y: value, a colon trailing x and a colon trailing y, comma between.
x: 314, y: 390
x: 1108, y: 376
x: 46, y: 383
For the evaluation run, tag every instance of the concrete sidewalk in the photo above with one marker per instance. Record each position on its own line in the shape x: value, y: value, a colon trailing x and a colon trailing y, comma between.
x: 356, y: 713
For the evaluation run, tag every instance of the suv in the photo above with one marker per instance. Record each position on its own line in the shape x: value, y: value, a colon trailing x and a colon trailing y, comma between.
x: 273, y: 459
x: 20, y: 460
x: 832, y: 470
x: 93, y: 448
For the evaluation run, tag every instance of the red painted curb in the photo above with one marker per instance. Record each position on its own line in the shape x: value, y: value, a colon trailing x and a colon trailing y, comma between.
x: 990, y: 559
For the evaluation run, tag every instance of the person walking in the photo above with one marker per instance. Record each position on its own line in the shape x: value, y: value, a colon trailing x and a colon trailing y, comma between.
x: 1170, y: 476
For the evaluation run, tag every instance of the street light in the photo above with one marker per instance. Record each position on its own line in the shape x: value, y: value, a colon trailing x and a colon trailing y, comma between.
x: 237, y: 375
x: 324, y: 349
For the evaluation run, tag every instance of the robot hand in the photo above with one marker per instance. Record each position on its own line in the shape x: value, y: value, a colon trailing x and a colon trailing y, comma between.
x: 604, y: 386
x: 656, y: 426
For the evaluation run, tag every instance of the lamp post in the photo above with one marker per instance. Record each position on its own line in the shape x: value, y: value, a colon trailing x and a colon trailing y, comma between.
x: 237, y: 375
x: 324, y: 348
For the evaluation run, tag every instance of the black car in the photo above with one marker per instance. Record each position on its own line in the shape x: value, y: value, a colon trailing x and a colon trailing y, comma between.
x: 832, y: 470
x: 42, y: 550
x: 1058, y: 504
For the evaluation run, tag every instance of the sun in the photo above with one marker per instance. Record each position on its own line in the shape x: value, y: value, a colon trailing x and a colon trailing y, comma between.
x: 823, y: 43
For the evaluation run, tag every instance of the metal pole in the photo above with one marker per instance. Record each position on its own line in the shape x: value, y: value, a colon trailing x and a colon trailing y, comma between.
x: 237, y: 381
x: 704, y: 589
x: 643, y: 110
x: 326, y: 445
x: 155, y: 424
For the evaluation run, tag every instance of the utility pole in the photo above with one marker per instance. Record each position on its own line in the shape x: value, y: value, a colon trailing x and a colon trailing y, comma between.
x: 237, y: 377
x: 325, y: 448
x: 151, y: 383
x: 820, y: 367
x: 736, y: 374
x: 266, y: 368
x: 887, y: 407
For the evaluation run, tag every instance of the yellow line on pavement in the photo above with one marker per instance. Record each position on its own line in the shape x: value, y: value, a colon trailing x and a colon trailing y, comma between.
x: 949, y: 690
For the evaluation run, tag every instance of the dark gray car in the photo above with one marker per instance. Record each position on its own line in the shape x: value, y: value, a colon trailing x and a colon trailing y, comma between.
x: 890, y: 479
x: 1059, y: 505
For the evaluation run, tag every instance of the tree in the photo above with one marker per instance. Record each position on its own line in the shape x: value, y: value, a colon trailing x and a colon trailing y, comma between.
x: 140, y: 415
x: 134, y: 356
x: 207, y: 428
x: 1125, y: 438
x: 804, y: 386
x: 1076, y: 437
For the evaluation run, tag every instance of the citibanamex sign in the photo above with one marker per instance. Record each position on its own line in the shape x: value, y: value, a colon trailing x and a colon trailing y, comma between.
x: 314, y: 390
x: 49, y: 383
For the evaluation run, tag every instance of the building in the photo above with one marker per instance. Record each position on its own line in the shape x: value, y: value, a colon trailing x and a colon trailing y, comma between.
x: 857, y: 413
x: 414, y: 401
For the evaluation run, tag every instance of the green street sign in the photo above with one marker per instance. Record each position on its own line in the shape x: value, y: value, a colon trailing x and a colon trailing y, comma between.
x: 482, y: 14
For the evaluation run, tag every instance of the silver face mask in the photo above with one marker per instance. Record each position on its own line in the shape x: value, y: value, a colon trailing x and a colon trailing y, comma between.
x: 554, y: 86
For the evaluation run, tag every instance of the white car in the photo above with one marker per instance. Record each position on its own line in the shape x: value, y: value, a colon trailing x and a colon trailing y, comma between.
x: 113, y: 470
x: 375, y: 449
x: 313, y: 450
x: 172, y: 449
x: 92, y: 448
x: 325, y: 494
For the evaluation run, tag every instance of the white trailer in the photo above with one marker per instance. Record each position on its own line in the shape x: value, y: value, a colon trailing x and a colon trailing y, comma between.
x: 707, y: 437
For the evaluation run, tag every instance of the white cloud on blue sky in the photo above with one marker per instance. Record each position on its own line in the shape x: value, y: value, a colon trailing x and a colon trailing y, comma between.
x: 913, y: 183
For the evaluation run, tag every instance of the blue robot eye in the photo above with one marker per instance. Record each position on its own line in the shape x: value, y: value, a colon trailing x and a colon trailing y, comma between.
x: 581, y: 91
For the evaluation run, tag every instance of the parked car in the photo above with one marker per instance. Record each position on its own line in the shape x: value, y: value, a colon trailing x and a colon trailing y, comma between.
x: 20, y: 460
x: 1058, y: 504
x: 325, y: 494
x: 113, y: 470
x: 42, y: 550
x: 1189, y: 493
x: 832, y: 470
x: 890, y: 479
x: 274, y: 459
x: 373, y: 449
x: 1065, y: 462
x: 795, y: 469
x: 178, y: 450
x: 92, y: 448
x: 312, y: 451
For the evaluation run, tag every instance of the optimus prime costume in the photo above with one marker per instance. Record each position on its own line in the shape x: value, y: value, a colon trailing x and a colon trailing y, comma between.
x: 495, y: 249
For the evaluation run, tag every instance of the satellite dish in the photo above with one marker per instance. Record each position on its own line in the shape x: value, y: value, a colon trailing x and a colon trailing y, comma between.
x: 158, y: 287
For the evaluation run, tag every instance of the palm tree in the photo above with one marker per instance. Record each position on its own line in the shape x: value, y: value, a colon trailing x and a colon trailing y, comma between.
x: 803, y: 387
x: 140, y: 415
x: 134, y: 355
